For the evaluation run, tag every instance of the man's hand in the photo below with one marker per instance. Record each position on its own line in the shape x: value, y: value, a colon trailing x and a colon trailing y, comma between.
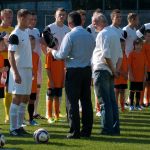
x: 17, y: 78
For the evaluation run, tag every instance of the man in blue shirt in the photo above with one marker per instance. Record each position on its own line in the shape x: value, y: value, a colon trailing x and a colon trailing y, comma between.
x: 77, y: 48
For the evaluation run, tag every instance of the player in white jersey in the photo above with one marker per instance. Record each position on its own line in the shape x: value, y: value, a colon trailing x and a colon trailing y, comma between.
x: 59, y: 30
x: 116, y: 21
x: 140, y: 32
x: 133, y: 21
x: 20, y: 77
x: 36, y: 33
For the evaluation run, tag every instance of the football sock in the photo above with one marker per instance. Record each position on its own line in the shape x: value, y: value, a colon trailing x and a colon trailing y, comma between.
x: 36, y: 103
x: 30, y: 111
x: 49, y: 108
x: 60, y: 100
x: 131, y: 96
x: 137, y: 98
x: 7, y: 103
x: 46, y: 113
x: 56, y: 107
x: 13, y: 116
x: 21, y: 114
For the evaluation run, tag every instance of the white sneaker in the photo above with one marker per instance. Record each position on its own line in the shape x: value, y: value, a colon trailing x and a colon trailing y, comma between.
x: 138, y: 108
x: 51, y: 121
x: 131, y: 108
x: 98, y: 114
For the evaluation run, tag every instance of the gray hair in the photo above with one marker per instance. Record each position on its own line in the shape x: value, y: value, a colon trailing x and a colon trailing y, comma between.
x: 100, y: 17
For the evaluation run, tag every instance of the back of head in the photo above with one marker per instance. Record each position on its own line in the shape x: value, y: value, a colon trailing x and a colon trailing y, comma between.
x: 75, y: 18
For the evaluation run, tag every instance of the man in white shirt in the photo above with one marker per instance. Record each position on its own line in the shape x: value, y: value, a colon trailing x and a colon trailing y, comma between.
x: 116, y: 21
x: 59, y: 30
x: 94, y: 29
x: 106, y: 61
x: 20, y: 77
x: 133, y: 21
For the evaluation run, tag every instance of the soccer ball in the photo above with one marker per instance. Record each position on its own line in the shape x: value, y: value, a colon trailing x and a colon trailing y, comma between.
x: 41, y: 136
x: 2, y: 140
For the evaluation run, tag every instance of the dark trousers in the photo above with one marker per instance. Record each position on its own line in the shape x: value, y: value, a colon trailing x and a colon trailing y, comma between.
x: 78, y: 86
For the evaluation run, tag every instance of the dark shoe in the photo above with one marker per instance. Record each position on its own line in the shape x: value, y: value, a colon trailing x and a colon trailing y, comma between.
x: 70, y: 136
x: 86, y: 135
x: 23, y: 131
x: 116, y: 132
x: 104, y: 132
x: 16, y: 132
x: 38, y: 116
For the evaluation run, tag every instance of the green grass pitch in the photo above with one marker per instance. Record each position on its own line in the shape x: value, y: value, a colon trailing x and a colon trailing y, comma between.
x: 135, y: 132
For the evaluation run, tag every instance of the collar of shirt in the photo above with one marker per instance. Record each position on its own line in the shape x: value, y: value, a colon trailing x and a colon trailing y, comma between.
x: 76, y: 28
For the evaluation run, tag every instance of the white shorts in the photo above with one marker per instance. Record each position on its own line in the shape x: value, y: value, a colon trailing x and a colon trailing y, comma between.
x: 39, y: 74
x: 26, y: 82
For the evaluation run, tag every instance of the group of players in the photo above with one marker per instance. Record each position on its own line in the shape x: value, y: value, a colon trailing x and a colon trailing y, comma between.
x: 135, y: 65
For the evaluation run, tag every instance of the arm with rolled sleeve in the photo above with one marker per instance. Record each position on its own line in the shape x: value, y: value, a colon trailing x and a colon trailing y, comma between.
x: 64, y: 50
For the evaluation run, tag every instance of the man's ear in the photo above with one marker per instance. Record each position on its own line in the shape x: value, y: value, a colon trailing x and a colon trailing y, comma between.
x: 70, y: 24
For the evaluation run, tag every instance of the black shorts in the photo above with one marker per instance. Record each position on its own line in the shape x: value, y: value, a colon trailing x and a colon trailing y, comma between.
x: 136, y: 86
x: 33, y: 96
x: 121, y: 86
x: 7, y: 64
x: 56, y: 92
x: 148, y: 76
x: 2, y: 92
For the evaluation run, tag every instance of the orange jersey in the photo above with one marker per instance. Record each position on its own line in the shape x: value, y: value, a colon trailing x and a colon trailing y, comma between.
x: 35, y: 62
x: 8, y: 30
x: 124, y: 70
x: 137, y: 62
x: 146, y: 49
x: 1, y: 66
x: 56, y: 68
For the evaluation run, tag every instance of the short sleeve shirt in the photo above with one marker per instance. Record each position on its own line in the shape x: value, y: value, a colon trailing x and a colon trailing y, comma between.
x: 19, y: 43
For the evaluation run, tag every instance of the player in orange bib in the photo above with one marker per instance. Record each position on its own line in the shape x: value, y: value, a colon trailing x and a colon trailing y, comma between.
x: 121, y: 81
x: 55, y: 72
x: 137, y: 65
x: 35, y: 62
